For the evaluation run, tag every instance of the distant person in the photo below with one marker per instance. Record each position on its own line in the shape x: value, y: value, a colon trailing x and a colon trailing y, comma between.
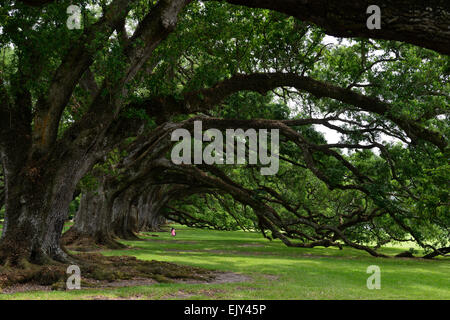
x: 172, y: 232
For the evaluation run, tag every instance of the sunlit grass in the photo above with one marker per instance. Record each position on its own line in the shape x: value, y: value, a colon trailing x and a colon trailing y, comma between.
x: 277, y: 272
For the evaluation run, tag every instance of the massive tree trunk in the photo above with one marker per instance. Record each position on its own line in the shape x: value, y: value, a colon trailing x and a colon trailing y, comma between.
x: 156, y: 220
x: 92, y: 222
x: 2, y: 188
x: 150, y: 208
x: 42, y: 168
x: 104, y: 216
x: 37, y: 203
x: 125, y: 215
x: 143, y: 205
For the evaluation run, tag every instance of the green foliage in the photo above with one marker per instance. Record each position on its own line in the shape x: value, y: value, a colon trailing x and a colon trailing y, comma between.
x: 89, y: 183
x: 132, y: 113
x: 214, y: 41
x: 73, y: 208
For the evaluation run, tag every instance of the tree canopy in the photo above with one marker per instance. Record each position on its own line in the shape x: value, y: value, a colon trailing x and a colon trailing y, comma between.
x: 92, y: 110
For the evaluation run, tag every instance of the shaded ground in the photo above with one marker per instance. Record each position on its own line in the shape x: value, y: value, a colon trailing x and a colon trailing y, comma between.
x: 98, y: 270
x: 262, y: 269
x: 216, y: 277
x: 256, y: 253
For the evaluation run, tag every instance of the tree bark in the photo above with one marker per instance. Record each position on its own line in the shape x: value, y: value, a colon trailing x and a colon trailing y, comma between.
x: 124, y: 215
x: 437, y: 252
x: 105, y: 215
x: 92, y: 222
x: 150, y: 210
x: 41, y: 169
x: 422, y: 23
x: 102, y: 218
x: 37, y: 202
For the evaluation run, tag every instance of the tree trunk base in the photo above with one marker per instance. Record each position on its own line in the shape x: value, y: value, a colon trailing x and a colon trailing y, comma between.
x: 16, y: 255
x: 81, y: 242
x: 95, y: 267
x: 127, y: 235
x: 23, y: 266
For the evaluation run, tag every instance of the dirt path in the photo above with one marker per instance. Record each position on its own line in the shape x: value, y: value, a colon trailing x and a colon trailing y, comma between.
x: 220, y: 277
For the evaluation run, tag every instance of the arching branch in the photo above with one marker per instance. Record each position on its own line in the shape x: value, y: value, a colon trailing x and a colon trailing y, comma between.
x: 206, y: 99
x: 422, y: 23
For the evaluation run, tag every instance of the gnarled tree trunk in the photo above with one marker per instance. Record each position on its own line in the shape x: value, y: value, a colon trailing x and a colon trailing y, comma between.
x: 92, y: 222
x: 105, y: 215
x: 150, y: 208
x: 37, y: 204
x: 125, y: 215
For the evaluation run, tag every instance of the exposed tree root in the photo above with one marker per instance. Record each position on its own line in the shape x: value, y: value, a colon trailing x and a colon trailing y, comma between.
x: 437, y: 252
x: 405, y: 254
x: 96, y: 267
x: 127, y: 235
x: 81, y: 242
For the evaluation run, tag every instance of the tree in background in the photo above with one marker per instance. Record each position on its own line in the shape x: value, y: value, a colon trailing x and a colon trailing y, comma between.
x: 70, y: 97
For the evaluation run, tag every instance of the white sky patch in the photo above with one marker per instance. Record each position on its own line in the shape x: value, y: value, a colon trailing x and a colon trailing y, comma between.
x: 330, y: 135
x: 336, y: 41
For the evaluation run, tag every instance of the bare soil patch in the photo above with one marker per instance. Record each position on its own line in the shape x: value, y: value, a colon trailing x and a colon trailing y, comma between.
x: 251, y: 245
x: 102, y: 297
x: 223, y: 277
x: 271, y: 277
x: 96, y: 267
x: 259, y: 253
x: 172, y: 241
x: 24, y: 288
x: 111, y: 272
x: 183, y: 294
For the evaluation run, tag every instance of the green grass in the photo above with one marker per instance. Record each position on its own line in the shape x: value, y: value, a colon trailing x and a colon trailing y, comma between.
x: 277, y: 272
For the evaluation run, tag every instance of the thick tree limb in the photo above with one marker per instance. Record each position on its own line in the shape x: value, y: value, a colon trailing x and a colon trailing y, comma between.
x: 36, y: 3
x: 15, y: 133
x: 154, y: 28
x: 269, y: 219
x: 88, y: 83
x: 79, y: 57
x: 437, y: 252
x: 205, y: 99
x: 422, y: 23
x: 104, y: 109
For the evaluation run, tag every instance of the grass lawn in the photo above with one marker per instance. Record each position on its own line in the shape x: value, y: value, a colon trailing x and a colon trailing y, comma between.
x: 276, y: 271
